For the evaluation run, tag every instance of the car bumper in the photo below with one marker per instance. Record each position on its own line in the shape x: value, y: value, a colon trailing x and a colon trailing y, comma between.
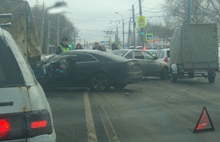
x: 43, y: 138
x: 40, y: 138
x: 130, y: 77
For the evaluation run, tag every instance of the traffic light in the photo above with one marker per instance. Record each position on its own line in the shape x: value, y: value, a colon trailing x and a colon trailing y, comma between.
x: 142, y: 33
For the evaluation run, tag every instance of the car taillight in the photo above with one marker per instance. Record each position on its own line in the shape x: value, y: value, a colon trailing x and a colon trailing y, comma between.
x: 38, y: 124
x: 133, y: 65
x: 143, y: 48
x: 4, y: 128
x: 165, y: 59
x: 24, y: 125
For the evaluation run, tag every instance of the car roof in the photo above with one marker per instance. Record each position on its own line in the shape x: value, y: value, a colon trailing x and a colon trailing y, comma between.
x: 96, y: 53
x: 129, y: 50
x: 165, y: 49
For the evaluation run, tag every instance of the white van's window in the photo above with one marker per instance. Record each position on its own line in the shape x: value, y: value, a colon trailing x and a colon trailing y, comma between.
x: 10, y: 74
x: 23, y: 65
x: 2, y: 74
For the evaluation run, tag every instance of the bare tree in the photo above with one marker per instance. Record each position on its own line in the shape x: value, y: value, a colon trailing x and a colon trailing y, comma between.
x: 67, y: 28
x: 203, y: 11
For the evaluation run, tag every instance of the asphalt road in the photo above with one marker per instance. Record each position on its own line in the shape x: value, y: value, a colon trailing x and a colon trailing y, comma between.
x: 153, y: 110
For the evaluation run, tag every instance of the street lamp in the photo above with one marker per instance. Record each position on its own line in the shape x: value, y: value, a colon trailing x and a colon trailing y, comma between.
x: 116, y: 33
x: 122, y: 26
x: 57, y: 7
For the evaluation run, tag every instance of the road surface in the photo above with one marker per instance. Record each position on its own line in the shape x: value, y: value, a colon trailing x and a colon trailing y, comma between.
x: 153, y: 110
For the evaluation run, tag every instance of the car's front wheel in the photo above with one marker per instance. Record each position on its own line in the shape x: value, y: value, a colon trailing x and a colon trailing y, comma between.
x: 100, y: 82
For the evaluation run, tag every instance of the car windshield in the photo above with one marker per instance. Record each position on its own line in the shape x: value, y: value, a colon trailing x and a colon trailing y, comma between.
x: 115, y: 70
x: 99, y: 55
x: 153, y: 52
x: 120, y: 52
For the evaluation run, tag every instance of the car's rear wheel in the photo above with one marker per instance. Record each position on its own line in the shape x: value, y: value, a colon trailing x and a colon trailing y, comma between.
x: 100, y: 82
x: 119, y: 85
x: 211, y: 77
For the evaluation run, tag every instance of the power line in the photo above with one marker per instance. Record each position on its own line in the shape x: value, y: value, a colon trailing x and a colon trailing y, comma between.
x: 154, y: 11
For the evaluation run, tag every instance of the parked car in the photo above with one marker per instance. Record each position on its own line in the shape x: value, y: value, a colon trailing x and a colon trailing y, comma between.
x: 138, y: 47
x: 164, y: 55
x: 148, y: 64
x: 153, y: 52
x: 25, y: 114
x: 91, y: 68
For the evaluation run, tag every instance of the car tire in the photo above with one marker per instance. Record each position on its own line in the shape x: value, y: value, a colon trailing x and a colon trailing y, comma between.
x: 211, y: 77
x: 100, y: 82
x: 164, y: 74
x: 119, y: 85
x: 191, y: 74
x: 173, y: 78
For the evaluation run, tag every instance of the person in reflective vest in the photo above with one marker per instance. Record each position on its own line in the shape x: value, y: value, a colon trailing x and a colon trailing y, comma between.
x: 63, y: 47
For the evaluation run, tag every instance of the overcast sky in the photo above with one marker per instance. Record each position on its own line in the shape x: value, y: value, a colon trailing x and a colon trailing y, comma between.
x: 92, y: 17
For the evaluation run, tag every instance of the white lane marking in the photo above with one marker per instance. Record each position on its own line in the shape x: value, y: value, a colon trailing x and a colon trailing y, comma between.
x: 91, y: 133
x: 109, y: 129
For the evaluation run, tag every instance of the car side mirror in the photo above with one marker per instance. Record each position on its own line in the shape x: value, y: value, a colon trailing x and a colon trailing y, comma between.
x: 39, y: 72
x: 155, y: 57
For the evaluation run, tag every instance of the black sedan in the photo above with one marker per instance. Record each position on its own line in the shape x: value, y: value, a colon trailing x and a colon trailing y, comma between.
x: 90, y: 68
x: 148, y: 63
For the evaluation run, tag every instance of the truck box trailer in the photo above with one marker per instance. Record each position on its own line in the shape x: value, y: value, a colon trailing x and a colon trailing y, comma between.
x: 22, y: 28
x: 194, y: 51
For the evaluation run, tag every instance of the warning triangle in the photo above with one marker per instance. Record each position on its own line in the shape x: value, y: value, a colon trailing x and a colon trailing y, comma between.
x: 204, y: 123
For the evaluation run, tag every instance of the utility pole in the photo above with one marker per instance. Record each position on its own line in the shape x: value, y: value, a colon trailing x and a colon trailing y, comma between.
x: 42, y: 29
x: 142, y: 36
x: 134, y: 24
x: 48, y: 38
x: 116, y: 36
x: 129, y: 30
x: 123, y: 33
x: 189, y: 11
x: 74, y: 40
x: 58, y: 30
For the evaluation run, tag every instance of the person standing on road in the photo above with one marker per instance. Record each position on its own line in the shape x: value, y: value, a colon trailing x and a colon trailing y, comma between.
x: 78, y: 46
x: 63, y: 47
x: 114, y: 47
x: 98, y: 47
x: 103, y: 48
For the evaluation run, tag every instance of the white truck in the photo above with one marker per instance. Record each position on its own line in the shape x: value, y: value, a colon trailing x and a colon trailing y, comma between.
x: 22, y: 28
x: 194, y: 52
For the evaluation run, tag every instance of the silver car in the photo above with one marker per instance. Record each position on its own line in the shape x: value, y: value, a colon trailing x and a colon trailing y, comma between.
x: 148, y: 63
x: 164, y: 55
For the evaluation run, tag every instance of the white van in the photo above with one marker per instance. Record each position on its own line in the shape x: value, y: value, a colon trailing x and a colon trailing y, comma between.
x: 25, y: 115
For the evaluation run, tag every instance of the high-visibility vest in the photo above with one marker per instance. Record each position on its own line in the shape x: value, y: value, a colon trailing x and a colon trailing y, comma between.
x: 64, y: 49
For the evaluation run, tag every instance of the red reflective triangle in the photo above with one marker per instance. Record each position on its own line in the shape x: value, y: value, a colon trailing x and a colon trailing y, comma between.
x: 202, y: 124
